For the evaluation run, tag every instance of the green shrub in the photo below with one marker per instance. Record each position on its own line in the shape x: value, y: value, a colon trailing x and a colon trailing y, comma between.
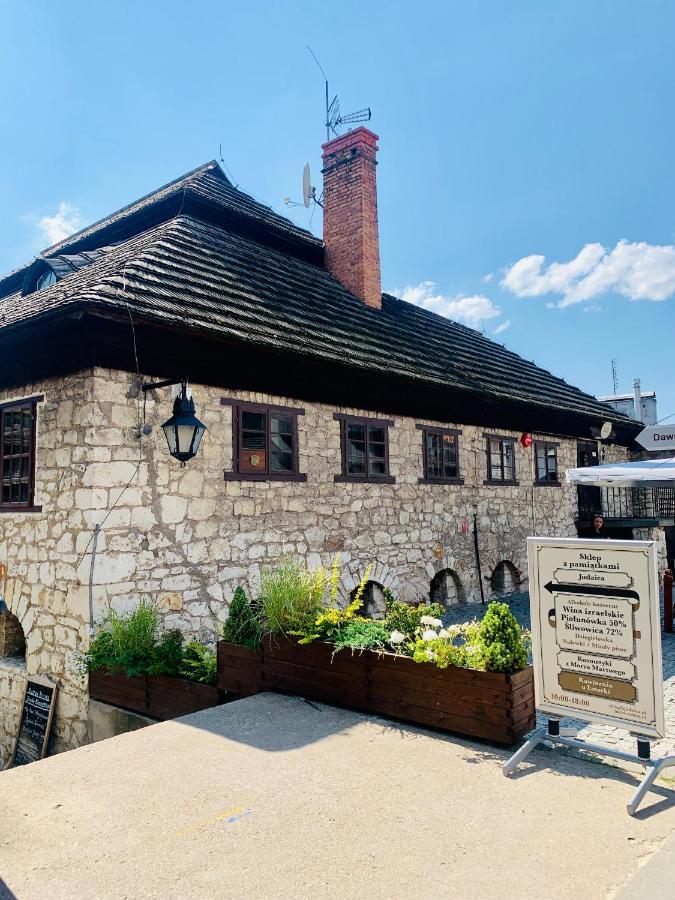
x: 126, y: 642
x: 291, y: 597
x: 199, y: 663
x: 404, y: 617
x: 242, y: 625
x: 362, y: 634
x: 132, y: 643
x: 503, y: 643
x: 168, y: 654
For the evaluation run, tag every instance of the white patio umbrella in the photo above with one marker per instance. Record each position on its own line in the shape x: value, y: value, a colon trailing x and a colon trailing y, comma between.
x: 646, y: 473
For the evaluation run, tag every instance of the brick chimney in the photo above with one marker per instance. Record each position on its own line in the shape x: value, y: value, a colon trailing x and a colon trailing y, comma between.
x: 350, y: 214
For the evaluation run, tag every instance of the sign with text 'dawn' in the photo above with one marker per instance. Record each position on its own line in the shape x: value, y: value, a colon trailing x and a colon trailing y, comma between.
x: 596, y: 640
x: 657, y: 437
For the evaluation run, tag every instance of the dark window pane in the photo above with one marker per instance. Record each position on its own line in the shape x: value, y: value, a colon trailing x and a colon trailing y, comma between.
x: 252, y: 421
x: 16, y: 426
x: 509, y: 462
x: 282, y: 442
x: 281, y: 461
x: 356, y: 457
x: 356, y: 431
x: 377, y: 467
x: 376, y: 434
x: 253, y: 440
x: 450, y: 456
x: 433, y: 456
x: 281, y: 425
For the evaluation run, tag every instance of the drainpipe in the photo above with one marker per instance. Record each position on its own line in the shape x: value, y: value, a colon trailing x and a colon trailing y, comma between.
x: 637, y: 393
x: 97, y: 529
x: 475, y: 546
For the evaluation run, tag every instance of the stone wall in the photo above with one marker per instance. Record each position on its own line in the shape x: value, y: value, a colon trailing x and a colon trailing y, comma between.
x: 12, y: 689
x: 186, y: 538
x: 38, y: 552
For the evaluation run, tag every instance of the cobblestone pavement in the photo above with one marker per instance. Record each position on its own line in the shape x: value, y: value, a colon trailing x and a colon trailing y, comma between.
x: 592, y: 732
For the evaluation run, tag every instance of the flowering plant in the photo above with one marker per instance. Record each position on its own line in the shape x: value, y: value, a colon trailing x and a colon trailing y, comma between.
x: 497, y: 644
x: 328, y: 623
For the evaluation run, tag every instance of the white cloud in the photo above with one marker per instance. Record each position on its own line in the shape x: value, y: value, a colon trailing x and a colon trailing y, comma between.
x: 638, y: 271
x: 473, y: 310
x: 502, y: 326
x: 64, y: 222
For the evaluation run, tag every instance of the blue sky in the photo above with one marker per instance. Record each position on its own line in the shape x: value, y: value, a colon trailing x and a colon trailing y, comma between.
x: 525, y: 178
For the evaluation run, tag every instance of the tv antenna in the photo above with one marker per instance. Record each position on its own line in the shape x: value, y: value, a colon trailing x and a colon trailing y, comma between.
x: 335, y: 119
x: 615, y: 379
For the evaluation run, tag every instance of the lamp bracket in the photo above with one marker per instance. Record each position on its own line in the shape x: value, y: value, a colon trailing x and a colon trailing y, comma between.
x: 160, y: 384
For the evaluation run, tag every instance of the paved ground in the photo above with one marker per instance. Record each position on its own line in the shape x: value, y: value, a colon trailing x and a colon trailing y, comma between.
x: 274, y: 797
x: 594, y: 733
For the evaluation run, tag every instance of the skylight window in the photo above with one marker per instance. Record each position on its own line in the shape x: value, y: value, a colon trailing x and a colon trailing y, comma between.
x: 46, y: 280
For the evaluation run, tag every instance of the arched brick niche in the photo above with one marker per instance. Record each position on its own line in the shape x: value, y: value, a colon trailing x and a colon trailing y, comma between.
x: 12, y: 638
x: 373, y: 603
x: 505, y: 578
x: 446, y: 588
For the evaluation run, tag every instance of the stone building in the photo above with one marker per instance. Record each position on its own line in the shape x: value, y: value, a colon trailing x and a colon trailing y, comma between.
x: 340, y: 419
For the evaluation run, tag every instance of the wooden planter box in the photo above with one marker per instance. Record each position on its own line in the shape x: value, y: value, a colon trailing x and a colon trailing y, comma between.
x: 486, y: 705
x: 239, y: 669
x: 159, y: 696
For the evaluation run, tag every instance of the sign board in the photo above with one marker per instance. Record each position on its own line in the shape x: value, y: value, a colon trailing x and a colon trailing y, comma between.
x: 36, y: 720
x: 596, y: 640
x: 657, y: 437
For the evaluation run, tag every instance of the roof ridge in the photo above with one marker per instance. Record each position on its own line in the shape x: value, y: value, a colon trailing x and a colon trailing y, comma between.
x: 187, y: 177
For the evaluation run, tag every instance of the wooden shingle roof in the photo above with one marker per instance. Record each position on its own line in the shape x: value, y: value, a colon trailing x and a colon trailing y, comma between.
x: 200, y: 255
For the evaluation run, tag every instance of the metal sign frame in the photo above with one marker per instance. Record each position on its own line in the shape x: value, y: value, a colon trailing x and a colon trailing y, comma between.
x: 645, y: 621
x: 643, y: 610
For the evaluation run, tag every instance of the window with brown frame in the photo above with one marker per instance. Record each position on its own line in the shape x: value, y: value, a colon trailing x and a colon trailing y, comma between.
x: 440, y: 454
x: 265, y: 442
x: 501, y: 459
x: 18, y: 422
x: 365, y: 449
x: 546, y: 462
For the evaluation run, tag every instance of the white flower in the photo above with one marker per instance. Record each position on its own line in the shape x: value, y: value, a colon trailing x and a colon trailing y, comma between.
x: 429, y: 635
x: 430, y: 655
x: 444, y: 633
x: 429, y: 620
x: 396, y: 637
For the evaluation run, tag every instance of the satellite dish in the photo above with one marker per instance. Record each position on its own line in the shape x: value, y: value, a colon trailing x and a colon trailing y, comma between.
x: 306, y: 186
x: 606, y: 430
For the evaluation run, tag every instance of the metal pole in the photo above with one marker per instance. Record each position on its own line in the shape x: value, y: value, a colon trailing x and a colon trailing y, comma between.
x: 475, y: 545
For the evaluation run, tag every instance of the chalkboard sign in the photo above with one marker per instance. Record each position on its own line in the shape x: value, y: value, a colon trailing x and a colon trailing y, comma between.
x: 36, y: 720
